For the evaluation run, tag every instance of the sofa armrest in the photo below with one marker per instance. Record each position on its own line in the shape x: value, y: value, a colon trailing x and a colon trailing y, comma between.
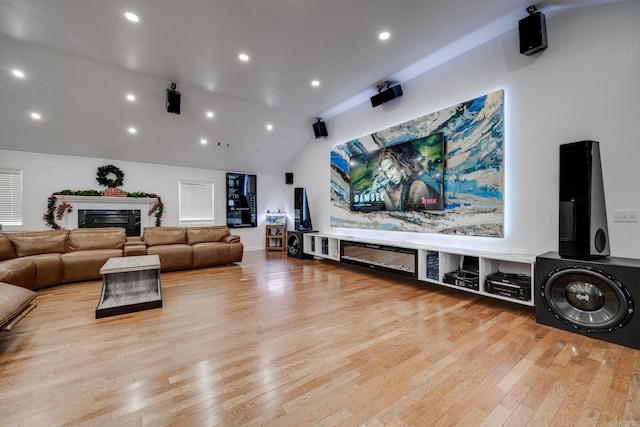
x: 231, y: 239
x: 135, y: 248
x: 19, y: 271
x: 15, y: 303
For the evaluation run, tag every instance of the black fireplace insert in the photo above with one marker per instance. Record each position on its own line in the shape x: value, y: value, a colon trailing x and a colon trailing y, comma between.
x: 390, y: 258
x: 98, y: 218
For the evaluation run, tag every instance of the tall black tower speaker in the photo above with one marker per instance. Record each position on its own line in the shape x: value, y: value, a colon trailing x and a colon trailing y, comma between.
x: 302, y: 215
x: 533, y: 34
x: 583, y: 216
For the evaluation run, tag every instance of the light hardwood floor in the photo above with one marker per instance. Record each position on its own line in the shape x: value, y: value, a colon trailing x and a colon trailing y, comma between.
x: 286, y: 342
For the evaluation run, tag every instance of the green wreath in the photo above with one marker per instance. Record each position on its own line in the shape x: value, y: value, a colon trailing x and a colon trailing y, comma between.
x: 104, y: 171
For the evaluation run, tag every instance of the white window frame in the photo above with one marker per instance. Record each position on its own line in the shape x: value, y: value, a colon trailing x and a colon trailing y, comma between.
x: 192, y: 209
x: 12, y: 198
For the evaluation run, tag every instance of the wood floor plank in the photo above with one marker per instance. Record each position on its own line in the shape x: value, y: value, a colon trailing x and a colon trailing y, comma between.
x: 279, y: 341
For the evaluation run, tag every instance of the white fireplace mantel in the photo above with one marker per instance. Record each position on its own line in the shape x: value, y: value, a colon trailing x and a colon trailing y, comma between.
x: 144, y: 204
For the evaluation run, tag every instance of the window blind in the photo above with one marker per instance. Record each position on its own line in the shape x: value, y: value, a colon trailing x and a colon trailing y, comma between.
x: 196, y: 201
x: 10, y: 197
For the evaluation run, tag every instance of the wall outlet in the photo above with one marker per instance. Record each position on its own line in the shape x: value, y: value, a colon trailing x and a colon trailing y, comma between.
x: 625, y: 215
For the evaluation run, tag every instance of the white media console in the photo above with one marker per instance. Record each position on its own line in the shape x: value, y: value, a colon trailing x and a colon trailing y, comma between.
x: 429, y: 264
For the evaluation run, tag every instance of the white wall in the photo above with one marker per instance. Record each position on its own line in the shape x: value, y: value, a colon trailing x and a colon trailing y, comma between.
x: 585, y: 85
x: 46, y: 174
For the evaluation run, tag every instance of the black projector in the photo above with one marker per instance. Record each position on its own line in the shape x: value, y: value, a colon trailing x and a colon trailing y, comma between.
x: 386, y: 95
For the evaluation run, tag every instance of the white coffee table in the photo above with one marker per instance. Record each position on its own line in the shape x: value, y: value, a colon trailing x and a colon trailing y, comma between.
x: 129, y: 284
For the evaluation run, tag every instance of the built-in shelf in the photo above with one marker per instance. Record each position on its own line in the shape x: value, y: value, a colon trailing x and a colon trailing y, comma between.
x: 432, y: 263
x: 321, y: 246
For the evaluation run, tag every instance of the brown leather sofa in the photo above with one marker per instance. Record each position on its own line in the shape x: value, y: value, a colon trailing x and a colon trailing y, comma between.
x: 38, y: 259
x: 180, y: 248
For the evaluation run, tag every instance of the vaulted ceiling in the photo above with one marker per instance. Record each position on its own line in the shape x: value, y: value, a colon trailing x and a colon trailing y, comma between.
x: 81, y: 58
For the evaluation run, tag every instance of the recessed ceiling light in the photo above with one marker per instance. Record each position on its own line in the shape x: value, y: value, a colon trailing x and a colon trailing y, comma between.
x: 35, y: 116
x: 243, y: 57
x: 131, y: 17
x: 132, y: 130
x: 203, y: 141
x: 269, y: 127
x: 315, y: 83
x: 131, y: 97
x: 19, y: 74
x: 384, y: 35
x: 210, y: 114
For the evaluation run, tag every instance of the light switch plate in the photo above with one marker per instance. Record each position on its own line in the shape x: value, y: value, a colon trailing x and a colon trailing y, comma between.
x: 625, y: 215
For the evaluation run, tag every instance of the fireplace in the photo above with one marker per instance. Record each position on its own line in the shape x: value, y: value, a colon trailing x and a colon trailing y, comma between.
x: 129, y: 219
x: 390, y: 258
x: 143, y: 204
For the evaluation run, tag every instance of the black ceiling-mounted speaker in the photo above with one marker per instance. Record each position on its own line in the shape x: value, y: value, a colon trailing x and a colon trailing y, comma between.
x: 583, y: 231
x: 533, y: 33
x: 173, y: 100
x: 320, y: 128
x: 386, y: 95
x: 288, y: 178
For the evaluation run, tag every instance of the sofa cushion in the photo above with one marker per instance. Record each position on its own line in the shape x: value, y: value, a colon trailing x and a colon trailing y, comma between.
x: 6, y: 248
x: 210, y: 253
x: 97, y: 238
x: 39, y: 242
x: 14, y: 303
x: 49, y: 269
x: 19, y: 271
x: 86, y: 265
x: 173, y: 257
x: 213, y: 233
x: 155, y: 236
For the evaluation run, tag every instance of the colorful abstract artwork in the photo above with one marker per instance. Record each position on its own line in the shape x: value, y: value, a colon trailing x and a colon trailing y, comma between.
x: 473, y: 172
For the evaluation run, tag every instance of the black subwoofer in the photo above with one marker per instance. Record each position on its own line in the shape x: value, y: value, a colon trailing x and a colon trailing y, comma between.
x: 594, y: 298
x: 295, y: 244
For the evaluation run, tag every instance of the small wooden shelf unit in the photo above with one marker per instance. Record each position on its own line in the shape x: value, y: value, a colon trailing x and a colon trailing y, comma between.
x: 275, y: 237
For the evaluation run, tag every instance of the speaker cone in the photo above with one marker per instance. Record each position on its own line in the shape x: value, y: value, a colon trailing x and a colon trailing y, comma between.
x: 586, y: 298
x: 600, y: 240
x: 293, y: 244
